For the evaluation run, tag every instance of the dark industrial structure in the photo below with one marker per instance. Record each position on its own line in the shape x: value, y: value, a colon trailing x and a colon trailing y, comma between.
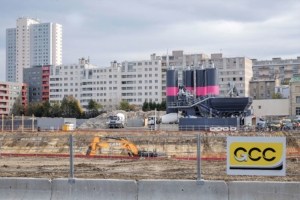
x: 205, y: 109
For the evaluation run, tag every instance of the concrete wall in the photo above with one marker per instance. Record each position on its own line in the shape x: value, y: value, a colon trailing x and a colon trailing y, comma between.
x: 181, y: 189
x: 270, y: 107
x: 109, y: 189
x: 25, y: 188
x: 264, y: 190
x: 46, y: 123
x: 89, y: 189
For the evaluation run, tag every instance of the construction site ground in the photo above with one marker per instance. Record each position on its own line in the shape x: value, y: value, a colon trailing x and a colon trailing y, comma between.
x: 167, y: 167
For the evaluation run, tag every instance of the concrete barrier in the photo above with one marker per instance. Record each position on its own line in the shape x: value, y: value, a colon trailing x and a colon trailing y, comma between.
x: 94, y: 189
x: 181, y: 189
x: 264, y: 190
x: 25, y: 188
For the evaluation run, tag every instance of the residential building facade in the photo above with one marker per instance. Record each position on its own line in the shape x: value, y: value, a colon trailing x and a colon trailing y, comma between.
x: 263, y: 89
x: 276, y: 68
x: 9, y: 92
x: 134, y: 82
x: 37, y: 81
x: 31, y: 43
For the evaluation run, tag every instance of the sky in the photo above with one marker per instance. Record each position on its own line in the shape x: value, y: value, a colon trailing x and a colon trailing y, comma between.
x: 108, y: 30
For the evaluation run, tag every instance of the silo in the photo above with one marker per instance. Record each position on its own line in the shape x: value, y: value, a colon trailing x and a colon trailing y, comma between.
x: 200, y: 83
x: 211, y: 82
x: 171, y: 89
x: 184, y: 77
x: 189, y: 81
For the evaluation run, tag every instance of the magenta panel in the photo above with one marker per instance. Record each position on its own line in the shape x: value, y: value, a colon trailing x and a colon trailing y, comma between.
x: 171, y: 91
x: 212, y: 90
x: 201, y: 91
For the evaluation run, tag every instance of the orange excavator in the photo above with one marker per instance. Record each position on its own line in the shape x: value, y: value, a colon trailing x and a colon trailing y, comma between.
x: 117, y: 143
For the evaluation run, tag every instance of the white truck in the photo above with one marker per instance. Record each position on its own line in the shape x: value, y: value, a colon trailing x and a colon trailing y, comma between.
x: 171, y: 118
x: 116, y: 121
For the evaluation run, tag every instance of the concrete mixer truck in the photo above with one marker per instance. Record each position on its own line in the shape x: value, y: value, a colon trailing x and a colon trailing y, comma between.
x: 116, y: 121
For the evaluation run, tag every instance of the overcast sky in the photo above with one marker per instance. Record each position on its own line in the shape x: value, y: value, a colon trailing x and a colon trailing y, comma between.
x: 107, y: 30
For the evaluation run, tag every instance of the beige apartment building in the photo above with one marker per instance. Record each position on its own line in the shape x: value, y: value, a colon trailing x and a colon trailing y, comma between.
x: 295, y: 96
x: 237, y: 70
x: 263, y: 89
x: 276, y: 68
x: 180, y: 61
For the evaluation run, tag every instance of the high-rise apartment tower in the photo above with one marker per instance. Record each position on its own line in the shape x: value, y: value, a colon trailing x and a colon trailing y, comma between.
x: 31, y: 43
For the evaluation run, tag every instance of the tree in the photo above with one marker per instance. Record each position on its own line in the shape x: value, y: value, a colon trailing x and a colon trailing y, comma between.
x: 277, y: 96
x: 70, y: 107
x: 55, y: 110
x: 124, y: 105
x: 133, y: 107
x: 145, y: 106
x: 93, y: 105
x: 163, y: 105
x: 46, y: 108
x: 34, y: 108
x: 17, y: 108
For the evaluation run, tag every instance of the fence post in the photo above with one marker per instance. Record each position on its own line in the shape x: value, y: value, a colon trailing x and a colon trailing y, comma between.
x: 71, y: 179
x: 22, y: 123
x: 12, y: 123
x: 32, y: 125
x: 199, y: 180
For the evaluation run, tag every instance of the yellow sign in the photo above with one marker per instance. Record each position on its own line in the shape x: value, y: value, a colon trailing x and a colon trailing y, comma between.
x: 255, y: 155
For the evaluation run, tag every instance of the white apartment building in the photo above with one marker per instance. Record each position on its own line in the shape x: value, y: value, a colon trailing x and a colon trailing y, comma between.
x: 31, y: 43
x: 46, y: 44
x: 134, y: 82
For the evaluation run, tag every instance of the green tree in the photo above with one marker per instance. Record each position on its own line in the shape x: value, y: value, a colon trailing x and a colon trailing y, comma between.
x: 46, y: 109
x: 124, y: 105
x: 70, y: 107
x: 163, y: 106
x: 145, y: 106
x: 277, y: 96
x: 34, y: 108
x: 17, y: 108
x: 93, y: 105
x: 55, y: 110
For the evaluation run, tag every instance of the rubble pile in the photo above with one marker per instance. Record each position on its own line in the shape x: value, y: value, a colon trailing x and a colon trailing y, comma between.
x: 99, y: 121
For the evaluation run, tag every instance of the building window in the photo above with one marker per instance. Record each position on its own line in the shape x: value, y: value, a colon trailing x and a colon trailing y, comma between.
x: 297, y: 111
x: 259, y: 107
x: 297, y: 99
x: 241, y: 78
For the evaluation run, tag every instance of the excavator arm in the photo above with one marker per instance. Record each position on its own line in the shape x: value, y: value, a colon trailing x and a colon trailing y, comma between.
x: 112, y: 142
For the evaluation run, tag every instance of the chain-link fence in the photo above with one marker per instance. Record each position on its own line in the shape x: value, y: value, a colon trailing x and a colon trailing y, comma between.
x: 171, y: 156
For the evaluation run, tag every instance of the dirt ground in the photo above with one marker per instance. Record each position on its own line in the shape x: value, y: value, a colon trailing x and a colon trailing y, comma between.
x: 54, y: 167
x: 169, y: 167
